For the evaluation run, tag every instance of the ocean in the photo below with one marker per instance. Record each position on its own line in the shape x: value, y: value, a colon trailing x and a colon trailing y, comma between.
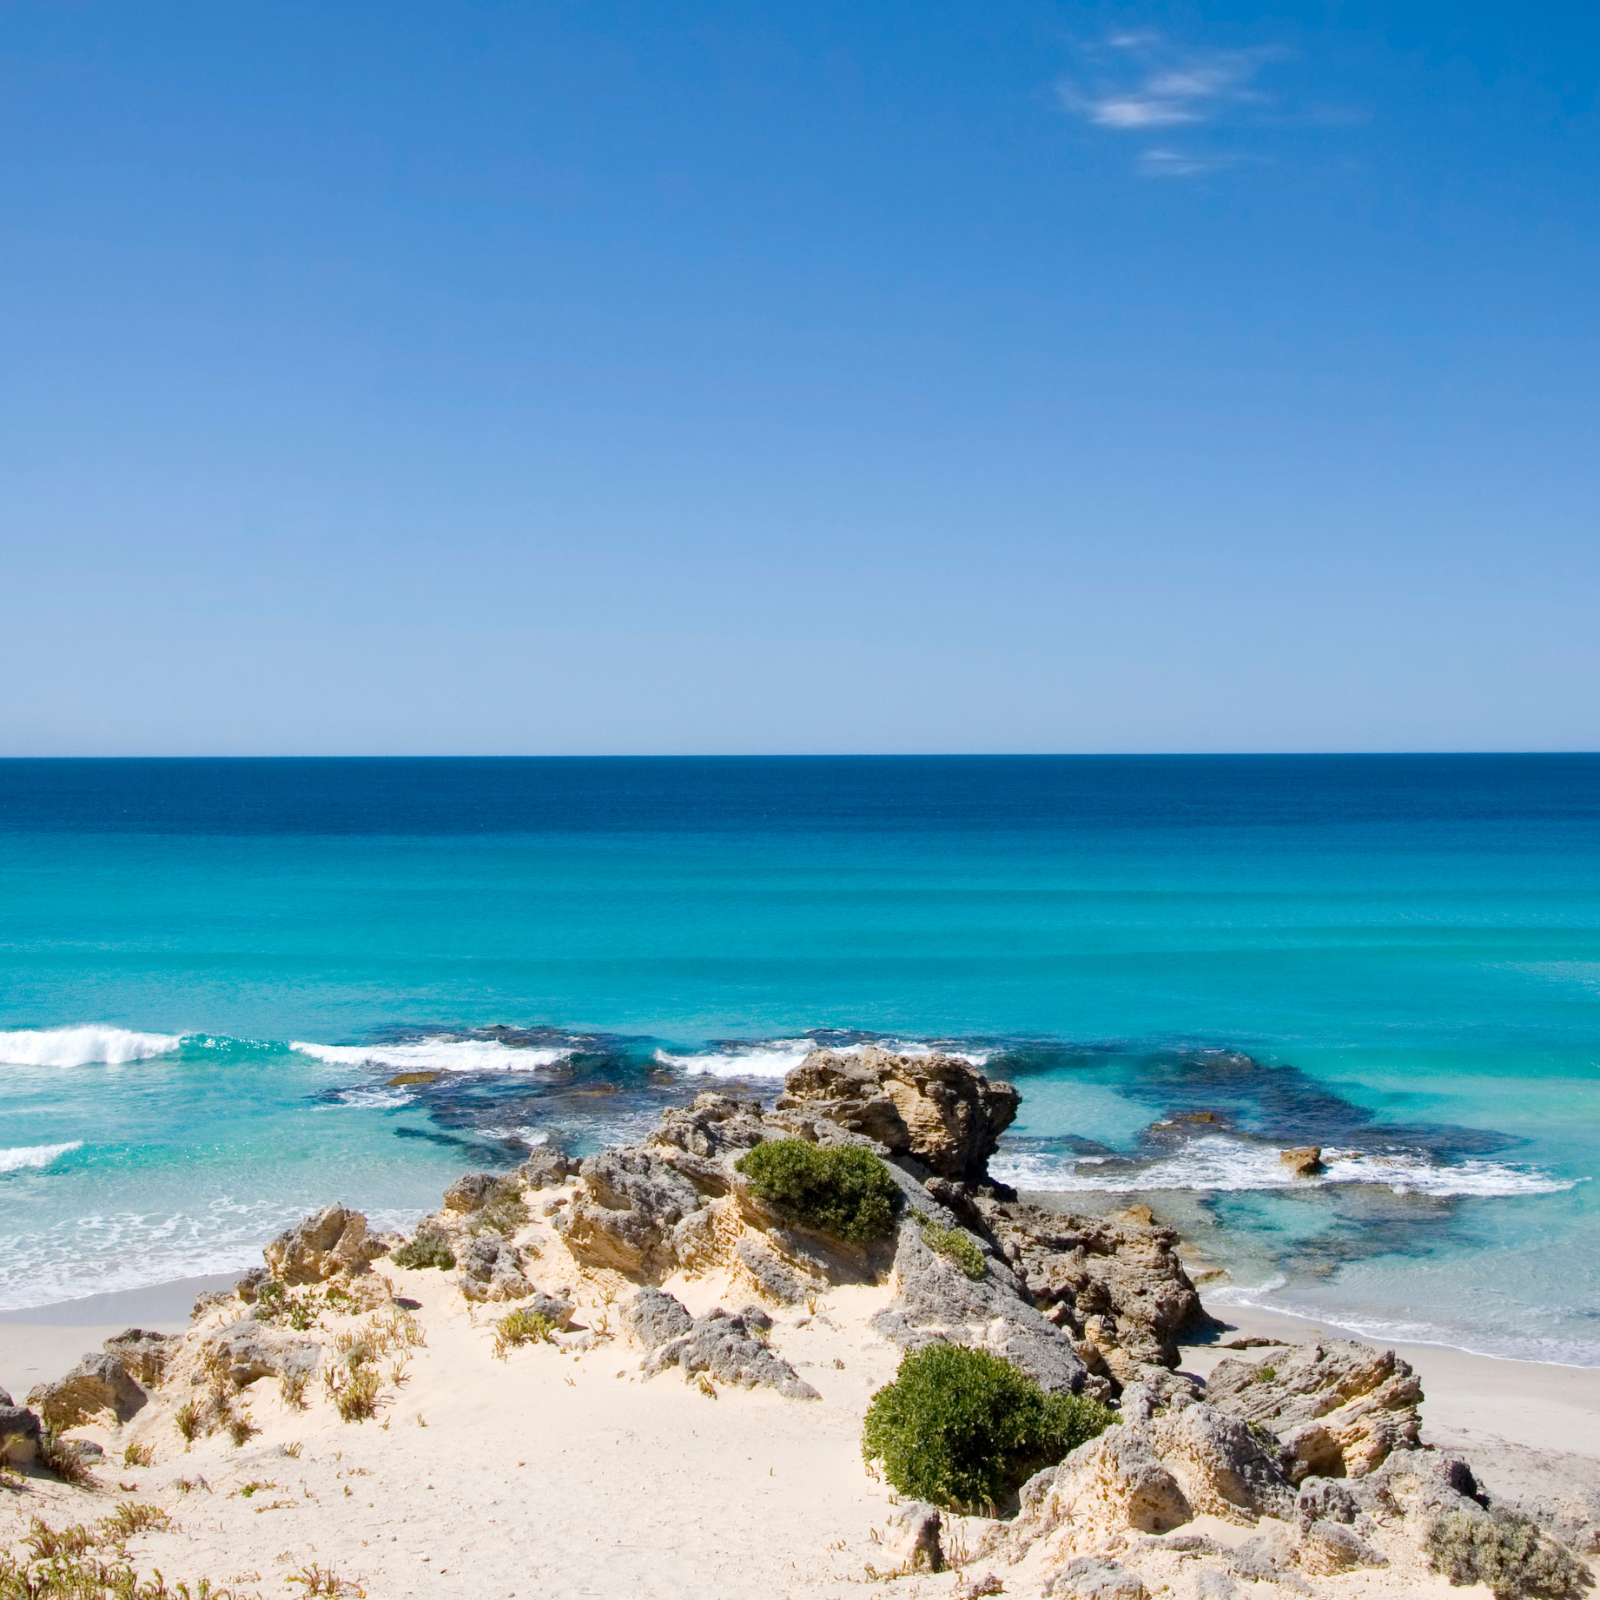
x: 213, y: 969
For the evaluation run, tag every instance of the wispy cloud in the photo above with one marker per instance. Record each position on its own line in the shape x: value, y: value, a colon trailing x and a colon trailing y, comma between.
x: 1138, y: 83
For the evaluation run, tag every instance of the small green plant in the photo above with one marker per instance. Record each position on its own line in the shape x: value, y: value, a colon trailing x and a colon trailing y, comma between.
x: 1505, y: 1550
x: 66, y: 1464
x: 324, y: 1581
x: 293, y: 1449
x: 133, y: 1518
x: 357, y: 1395
x: 518, y: 1328
x: 844, y: 1191
x: 1265, y: 1374
x: 292, y: 1389
x: 955, y: 1244
x: 138, y: 1455
x: 239, y: 1428
x: 964, y: 1429
x: 426, y: 1250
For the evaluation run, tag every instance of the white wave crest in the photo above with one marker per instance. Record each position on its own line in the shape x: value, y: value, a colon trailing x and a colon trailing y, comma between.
x: 778, y: 1056
x: 434, y: 1055
x: 79, y: 1047
x: 1216, y: 1162
x: 35, y: 1155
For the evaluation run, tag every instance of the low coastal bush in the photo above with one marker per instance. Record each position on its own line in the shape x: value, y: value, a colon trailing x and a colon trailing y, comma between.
x: 426, y: 1250
x: 1504, y: 1550
x: 955, y: 1244
x: 963, y: 1429
x: 356, y: 1393
x: 845, y: 1191
x: 518, y: 1328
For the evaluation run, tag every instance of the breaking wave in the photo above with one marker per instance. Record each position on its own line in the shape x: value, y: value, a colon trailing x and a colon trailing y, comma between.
x: 771, y: 1058
x: 434, y: 1055
x: 1215, y: 1162
x: 81, y: 1046
x: 35, y: 1155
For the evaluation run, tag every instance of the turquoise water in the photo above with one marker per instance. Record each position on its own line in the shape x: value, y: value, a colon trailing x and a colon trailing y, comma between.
x: 1398, y: 958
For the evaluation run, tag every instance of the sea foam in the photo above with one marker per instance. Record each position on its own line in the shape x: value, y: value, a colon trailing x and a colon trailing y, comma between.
x: 434, y: 1055
x: 774, y: 1057
x: 35, y: 1155
x: 79, y: 1047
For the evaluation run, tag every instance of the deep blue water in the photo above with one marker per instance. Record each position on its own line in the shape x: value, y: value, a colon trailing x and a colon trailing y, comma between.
x: 1398, y: 957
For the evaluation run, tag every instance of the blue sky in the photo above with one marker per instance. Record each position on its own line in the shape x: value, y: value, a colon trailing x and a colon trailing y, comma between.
x: 798, y: 377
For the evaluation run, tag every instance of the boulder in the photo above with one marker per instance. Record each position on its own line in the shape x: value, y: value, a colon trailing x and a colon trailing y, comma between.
x: 143, y: 1355
x: 1221, y: 1466
x: 470, y: 1191
x: 247, y: 1350
x: 938, y: 1109
x: 1329, y: 1548
x: 772, y: 1276
x: 491, y: 1269
x: 911, y: 1542
x: 98, y: 1384
x: 723, y: 1347
x: 1305, y: 1162
x: 1096, y: 1578
x: 935, y: 1299
x: 21, y: 1434
x: 546, y: 1169
x: 633, y: 1208
x: 1104, y: 1489
x: 333, y: 1241
x: 1338, y: 1407
x: 656, y: 1318
x: 715, y: 1125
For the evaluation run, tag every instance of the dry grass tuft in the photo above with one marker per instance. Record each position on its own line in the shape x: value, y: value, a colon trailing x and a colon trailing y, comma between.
x: 518, y: 1328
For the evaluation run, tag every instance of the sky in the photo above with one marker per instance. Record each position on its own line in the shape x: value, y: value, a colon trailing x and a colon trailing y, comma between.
x: 957, y: 375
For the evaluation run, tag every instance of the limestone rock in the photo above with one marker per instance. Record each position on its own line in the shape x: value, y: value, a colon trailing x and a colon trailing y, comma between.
x: 331, y: 1242
x: 774, y: 1278
x: 21, y: 1434
x: 1328, y: 1548
x: 655, y: 1318
x: 716, y: 1124
x: 627, y: 1218
x: 470, y: 1191
x: 1103, y: 1489
x: 938, y: 1109
x: 724, y: 1347
x: 1220, y: 1465
x: 1305, y: 1162
x: 912, y: 1543
x: 547, y: 1169
x: 936, y: 1300
x: 1338, y: 1407
x: 143, y: 1355
x: 1096, y: 1578
x: 98, y: 1384
x: 247, y: 1350
x: 491, y: 1269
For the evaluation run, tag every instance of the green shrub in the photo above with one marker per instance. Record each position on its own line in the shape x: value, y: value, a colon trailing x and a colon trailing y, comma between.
x: 955, y: 1244
x: 965, y: 1430
x: 1506, y: 1551
x: 845, y: 1191
x: 426, y: 1250
x: 522, y: 1327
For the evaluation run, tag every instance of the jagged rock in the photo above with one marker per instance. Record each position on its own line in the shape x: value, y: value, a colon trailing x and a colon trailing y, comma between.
x: 547, y: 1169
x: 713, y: 1126
x: 491, y: 1269
x: 912, y: 1544
x: 656, y: 1318
x: 86, y: 1450
x: 635, y: 1203
x: 247, y: 1288
x: 1269, y: 1558
x: 723, y: 1347
x: 1338, y: 1407
x: 1305, y: 1162
x: 321, y: 1247
x: 470, y: 1191
x: 1116, y: 1282
x: 1220, y: 1465
x: 1096, y: 1578
x: 938, y: 1109
x: 1324, y: 1500
x: 773, y: 1277
x: 246, y: 1350
x: 1104, y: 1488
x: 143, y: 1355
x: 1210, y: 1584
x: 21, y: 1433
x: 936, y: 1300
x: 97, y: 1384
x: 1327, y: 1548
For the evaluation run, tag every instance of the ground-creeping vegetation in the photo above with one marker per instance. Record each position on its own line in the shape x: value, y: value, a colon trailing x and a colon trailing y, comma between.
x: 843, y: 1191
x: 954, y: 1244
x: 1504, y: 1550
x: 520, y: 1328
x: 503, y: 1211
x: 963, y: 1429
x: 426, y: 1250
x: 89, y: 1563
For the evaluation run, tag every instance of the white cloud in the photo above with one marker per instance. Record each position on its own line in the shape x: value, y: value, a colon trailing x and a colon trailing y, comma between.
x: 1134, y: 82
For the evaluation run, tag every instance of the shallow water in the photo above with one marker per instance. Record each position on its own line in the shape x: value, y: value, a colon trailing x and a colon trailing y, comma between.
x: 214, y: 968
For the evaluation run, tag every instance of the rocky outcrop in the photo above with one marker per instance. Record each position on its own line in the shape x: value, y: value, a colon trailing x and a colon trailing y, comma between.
x: 332, y: 1242
x: 143, y: 1355
x: 628, y: 1217
x: 938, y: 1109
x: 546, y: 1169
x: 1116, y: 1284
x: 1305, y: 1162
x: 492, y: 1269
x: 246, y: 1350
x: 1338, y: 1408
x: 98, y: 1386
x: 470, y: 1191
x: 21, y: 1434
x: 729, y: 1349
